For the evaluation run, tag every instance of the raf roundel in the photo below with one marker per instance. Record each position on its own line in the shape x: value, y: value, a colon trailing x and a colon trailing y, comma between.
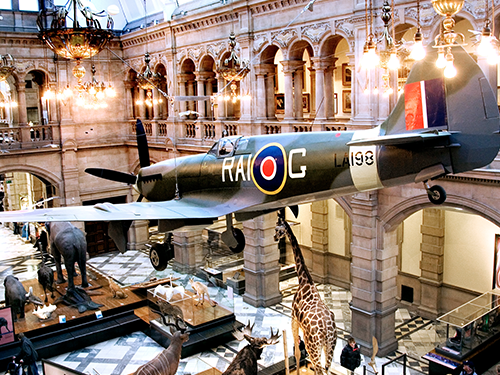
x: 269, y: 169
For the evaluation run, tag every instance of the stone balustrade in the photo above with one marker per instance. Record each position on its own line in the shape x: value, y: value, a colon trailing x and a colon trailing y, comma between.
x: 27, y: 137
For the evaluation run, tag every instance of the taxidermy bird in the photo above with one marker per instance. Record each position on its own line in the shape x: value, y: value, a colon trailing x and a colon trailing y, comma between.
x: 375, y: 351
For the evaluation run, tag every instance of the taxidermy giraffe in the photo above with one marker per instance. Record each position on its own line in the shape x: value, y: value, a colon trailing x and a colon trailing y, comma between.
x: 309, y: 312
x: 201, y: 290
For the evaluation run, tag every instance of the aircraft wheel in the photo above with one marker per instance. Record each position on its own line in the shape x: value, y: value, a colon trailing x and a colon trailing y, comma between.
x: 436, y: 194
x: 159, y: 256
x: 240, y: 238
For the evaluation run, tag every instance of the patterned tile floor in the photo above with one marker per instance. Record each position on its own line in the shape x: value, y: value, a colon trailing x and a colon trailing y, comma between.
x: 416, y: 336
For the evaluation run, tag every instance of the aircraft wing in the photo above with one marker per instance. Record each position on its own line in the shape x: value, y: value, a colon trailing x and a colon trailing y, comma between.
x: 188, y: 208
x: 401, y: 139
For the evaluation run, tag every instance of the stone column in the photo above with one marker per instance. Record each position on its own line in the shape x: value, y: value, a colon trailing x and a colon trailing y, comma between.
x: 201, y: 80
x: 142, y: 107
x: 270, y: 90
x: 156, y: 104
x: 432, y: 263
x: 182, y: 79
x: 21, y: 107
x: 261, y: 262
x: 288, y: 73
x: 373, y: 272
x: 319, y: 67
x: 210, y: 92
x: 190, y: 92
x: 261, y: 101
x: 312, y: 104
x: 297, y: 91
x: 319, y: 238
x: 188, y: 249
x: 329, y: 112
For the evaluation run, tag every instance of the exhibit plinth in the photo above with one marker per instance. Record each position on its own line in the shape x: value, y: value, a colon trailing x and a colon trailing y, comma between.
x: 476, y: 328
x: 208, y: 323
x: 67, y: 329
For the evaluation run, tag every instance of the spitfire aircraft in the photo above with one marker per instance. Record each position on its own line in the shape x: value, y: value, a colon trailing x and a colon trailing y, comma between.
x: 439, y: 126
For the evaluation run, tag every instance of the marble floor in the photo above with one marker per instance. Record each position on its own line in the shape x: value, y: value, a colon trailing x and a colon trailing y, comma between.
x: 416, y: 336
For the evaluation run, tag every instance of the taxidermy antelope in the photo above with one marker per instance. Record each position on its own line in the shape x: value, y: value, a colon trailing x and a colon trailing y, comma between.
x: 245, y: 362
x: 169, y: 292
x: 201, y: 290
x: 167, y: 361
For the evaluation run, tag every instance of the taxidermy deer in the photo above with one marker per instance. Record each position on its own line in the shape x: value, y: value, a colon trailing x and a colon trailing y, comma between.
x: 201, y: 290
x: 167, y: 361
x: 245, y: 362
x: 116, y: 290
x: 169, y: 292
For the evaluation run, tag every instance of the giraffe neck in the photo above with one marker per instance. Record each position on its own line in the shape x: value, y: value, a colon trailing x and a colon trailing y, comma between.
x: 302, y: 272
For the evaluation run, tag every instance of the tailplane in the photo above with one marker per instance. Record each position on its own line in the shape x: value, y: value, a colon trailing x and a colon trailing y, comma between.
x: 459, y: 114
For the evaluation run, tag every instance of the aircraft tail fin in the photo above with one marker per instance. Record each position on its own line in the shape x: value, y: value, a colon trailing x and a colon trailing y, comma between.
x: 459, y: 113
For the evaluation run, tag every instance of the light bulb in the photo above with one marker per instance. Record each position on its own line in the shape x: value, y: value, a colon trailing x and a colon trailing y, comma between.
x: 418, y: 51
x: 393, y: 62
x: 110, y: 92
x: 388, y: 91
x: 484, y: 48
x: 13, y: 104
x: 92, y: 90
x: 138, y: 102
x: 375, y: 90
x: 370, y: 58
x: 441, y: 60
x: 450, y: 71
x: 366, y: 90
x: 493, y: 57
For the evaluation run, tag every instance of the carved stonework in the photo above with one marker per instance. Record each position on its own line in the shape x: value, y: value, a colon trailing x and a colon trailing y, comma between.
x: 181, y: 55
x: 195, y: 53
x: 215, y: 49
x: 315, y: 32
x: 346, y: 25
x: 283, y: 38
x: 24, y: 66
x: 258, y: 42
x: 427, y: 14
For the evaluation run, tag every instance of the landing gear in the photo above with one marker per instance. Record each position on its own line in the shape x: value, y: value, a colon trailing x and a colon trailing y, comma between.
x: 233, y: 237
x: 240, y: 238
x: 161, y: 253
x: 436, y: 194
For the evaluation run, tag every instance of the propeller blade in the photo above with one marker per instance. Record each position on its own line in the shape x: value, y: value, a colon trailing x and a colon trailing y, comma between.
x: 142, y: 144
x: 109, y: 174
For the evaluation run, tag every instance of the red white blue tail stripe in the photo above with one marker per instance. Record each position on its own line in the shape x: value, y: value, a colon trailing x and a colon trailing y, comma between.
x: 425, y: 105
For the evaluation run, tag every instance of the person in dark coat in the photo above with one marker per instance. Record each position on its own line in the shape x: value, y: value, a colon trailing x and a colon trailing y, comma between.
x: 351, y: 356
x: 28, y: 354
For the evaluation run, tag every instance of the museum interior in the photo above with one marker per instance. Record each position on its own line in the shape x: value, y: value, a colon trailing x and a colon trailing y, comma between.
x: 414, y: 282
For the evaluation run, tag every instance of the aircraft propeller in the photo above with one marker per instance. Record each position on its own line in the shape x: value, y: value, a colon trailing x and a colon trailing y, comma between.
x: 117, y: 176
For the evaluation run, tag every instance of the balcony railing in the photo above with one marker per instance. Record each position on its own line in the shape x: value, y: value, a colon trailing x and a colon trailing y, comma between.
x: 26, y: 137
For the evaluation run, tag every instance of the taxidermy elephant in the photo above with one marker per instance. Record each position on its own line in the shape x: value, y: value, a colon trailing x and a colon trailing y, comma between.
x: 15, y: 296
x: 68, y: 241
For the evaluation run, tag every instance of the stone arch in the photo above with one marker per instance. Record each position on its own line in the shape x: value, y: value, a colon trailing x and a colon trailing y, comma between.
x: 329, y: 45
x: 398, y: 213
x: 207, y: 63
x: 297, y: 47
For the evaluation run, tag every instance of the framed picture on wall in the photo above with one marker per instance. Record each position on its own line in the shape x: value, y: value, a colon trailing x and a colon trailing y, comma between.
x: 306, y: 102
x: 6, y: 326
x: 346, y: 101
x: 346, y: 75
x: 279, y: 101
x: 496, y: 263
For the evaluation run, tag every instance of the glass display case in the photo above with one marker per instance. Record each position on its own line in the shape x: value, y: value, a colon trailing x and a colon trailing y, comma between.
x: 209, y: 320
x: 472, y: 331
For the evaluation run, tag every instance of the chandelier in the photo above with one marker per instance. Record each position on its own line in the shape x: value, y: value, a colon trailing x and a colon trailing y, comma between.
x: 92, y: 94
x: 447, y: 38
x: 83, y: 40
x: 6, y: 66
x: 233, y: 70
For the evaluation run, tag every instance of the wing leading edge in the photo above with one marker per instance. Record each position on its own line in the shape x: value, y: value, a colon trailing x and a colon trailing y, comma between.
x: 186, y: 208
